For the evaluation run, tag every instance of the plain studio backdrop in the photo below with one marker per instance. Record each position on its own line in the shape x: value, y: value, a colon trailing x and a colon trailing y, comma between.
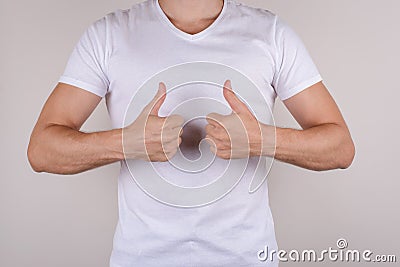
x: 64, y: 221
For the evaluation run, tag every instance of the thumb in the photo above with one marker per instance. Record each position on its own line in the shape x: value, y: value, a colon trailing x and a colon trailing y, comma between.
x: 233, y: 101
x: 155, y: 104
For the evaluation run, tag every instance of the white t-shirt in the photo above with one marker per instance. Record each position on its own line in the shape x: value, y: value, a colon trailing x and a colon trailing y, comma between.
x: 117, y: 54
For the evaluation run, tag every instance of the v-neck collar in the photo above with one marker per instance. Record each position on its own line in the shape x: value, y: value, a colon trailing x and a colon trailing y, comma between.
x: 186, y: 35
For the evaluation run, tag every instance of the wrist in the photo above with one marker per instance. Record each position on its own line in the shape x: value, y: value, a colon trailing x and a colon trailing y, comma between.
x: 114, y: 144
x: 268, y: 140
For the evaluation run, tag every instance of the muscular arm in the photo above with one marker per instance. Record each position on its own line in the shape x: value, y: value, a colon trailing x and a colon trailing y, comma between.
x: 324, y: 142
x: 57, y: 145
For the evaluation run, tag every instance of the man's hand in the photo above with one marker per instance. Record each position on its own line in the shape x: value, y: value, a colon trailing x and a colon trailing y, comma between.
x: 151, y: 137
x: 238, y: 135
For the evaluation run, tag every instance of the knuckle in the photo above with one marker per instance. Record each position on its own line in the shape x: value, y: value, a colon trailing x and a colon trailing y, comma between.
x: 178, y: 131
x: 221, y: 145
x: 171, y: 153
x: 222, y: 135
x: 163, y: 159
x: 226, y: 156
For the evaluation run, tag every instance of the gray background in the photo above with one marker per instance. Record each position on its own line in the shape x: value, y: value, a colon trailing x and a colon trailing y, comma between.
x: 50, y: 220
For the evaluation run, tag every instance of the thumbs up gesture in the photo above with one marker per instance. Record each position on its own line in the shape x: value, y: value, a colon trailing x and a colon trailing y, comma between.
x: 238, y: 135
x: 151, y: 137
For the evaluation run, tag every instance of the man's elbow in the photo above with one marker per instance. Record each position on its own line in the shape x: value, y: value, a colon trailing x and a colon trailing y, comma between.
x: 346, y: 154
x: 34, y: 157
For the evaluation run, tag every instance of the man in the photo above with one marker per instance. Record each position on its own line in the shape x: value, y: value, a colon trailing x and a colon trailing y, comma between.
x: 118, y: 53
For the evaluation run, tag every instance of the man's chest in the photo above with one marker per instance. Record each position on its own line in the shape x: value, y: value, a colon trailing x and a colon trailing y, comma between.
x: 137, y: 60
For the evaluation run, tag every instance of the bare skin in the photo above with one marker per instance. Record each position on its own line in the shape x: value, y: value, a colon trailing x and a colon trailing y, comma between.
x: 58, y: 146
x: 192, y: 16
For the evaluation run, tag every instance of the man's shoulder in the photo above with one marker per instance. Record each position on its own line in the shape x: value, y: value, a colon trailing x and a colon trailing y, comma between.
x: 251, y: 11
x: 123, y: 17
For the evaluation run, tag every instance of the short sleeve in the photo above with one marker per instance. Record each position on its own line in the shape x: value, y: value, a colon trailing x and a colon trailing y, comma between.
x: 86, y: 67
x: 294, y: 68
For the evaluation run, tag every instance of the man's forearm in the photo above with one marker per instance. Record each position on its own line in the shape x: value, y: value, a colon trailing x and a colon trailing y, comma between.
x: 63, y: 150
x: 323, y: 147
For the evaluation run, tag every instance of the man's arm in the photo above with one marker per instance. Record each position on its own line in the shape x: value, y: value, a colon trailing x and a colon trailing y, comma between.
x: 324, y: 142
x: 57, y: 145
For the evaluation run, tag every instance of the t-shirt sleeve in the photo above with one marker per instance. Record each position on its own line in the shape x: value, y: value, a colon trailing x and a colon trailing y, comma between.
x: 86, y: 67
x: 294, y: 67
